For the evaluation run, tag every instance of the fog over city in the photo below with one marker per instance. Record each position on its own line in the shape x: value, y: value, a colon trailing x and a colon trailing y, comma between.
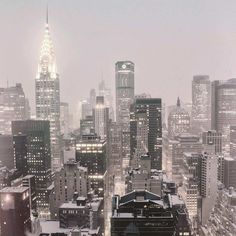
x: 117, y: 118
x: 169, y: 42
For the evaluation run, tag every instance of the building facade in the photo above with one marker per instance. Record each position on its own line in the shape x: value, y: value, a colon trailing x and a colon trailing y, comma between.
x: 201, y: 103
x: 101, y: 117
x: 91, y: 153
x: 64, y: 118
x: 223, y: 109
x: 71, y: 179
x: 124, y: 98
x: 178, y: 121
x: 6, y: 151
x: 145, y: 213
x: 15, y: 211
x: 38, y: 157
x: 146, y: 129
x: 47, y: 94
x: 13, y: 106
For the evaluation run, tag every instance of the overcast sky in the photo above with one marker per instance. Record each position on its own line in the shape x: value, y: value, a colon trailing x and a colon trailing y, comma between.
x: 168, y: 40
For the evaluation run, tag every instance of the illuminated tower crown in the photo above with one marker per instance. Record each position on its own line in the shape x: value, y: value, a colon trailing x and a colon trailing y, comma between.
x: 47, y: 61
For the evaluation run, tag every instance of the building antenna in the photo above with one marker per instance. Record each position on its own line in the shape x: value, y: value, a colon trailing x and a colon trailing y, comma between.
x: 47, y: 14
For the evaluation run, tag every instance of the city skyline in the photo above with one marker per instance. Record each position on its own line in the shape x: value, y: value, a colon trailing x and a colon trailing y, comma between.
x: 126, y: 122
x: 204, y: 44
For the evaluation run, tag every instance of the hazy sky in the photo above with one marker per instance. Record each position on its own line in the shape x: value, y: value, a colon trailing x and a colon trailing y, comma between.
x: 168, y: 40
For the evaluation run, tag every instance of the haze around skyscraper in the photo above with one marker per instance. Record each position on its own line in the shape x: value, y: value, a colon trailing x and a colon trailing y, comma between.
x: 169, y: 41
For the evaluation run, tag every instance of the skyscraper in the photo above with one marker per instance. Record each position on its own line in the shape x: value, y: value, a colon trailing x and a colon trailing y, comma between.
x: 224, y: 109
x: 208, y: 185
x: 124, y: 98
x: 13, y: 106
x: 64, y: 118
x: 201, y: 103
x: 20, y: 153
x: 38, y: 157
x: 91, y: 153
x: 87, y: 126
x: 146, y: 129
x: 108, y: 99
x: 47, y: 91
x: 101, y: 117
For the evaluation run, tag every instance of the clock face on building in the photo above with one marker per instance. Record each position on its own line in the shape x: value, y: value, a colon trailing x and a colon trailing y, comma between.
x: 124, y: 66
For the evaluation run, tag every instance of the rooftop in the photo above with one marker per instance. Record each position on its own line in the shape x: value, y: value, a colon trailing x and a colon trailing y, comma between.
x: 14, y: 190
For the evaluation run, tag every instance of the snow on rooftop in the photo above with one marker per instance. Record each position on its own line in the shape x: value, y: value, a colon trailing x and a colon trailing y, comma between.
x: 14, y: 190
x: 52, y: 227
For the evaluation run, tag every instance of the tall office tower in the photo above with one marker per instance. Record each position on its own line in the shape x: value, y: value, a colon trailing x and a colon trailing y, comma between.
x: 6, y: 151
x: 213, y: 137
x: 38, y: 157
x: 124, y: 98
x: 64, y: 118
x: 146, y: 129
x: 108, y: 99
x: 87, y: 126
x: 92, y: 99
x: 47, y: 94
x: 233, y: 141
x: 85, y: 109
x: 13, y: 106
x: 144, y: 213
x: 14, y: 211
x: 229, y: 179
x: 178, y: 121
x: 20, y: 153
x: 223, y: 109
x: 208, y: 185
x: 71, y: 179
x: 114, y: 150
x: 91, y: 153
x: 101, y: 117
x: 201, y: 103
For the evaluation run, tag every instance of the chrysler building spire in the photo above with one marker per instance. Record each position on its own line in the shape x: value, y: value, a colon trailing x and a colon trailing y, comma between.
x: 47, y: 61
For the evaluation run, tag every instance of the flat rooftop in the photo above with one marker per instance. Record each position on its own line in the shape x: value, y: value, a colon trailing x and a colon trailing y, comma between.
x: 14, y: 190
